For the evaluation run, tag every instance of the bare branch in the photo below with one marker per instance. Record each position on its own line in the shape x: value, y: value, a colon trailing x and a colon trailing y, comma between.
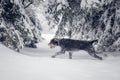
x: 28, y: 4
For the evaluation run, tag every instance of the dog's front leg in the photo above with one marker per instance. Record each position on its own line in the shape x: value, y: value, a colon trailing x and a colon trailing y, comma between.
x: 70, y: 55
x: 58, y: 53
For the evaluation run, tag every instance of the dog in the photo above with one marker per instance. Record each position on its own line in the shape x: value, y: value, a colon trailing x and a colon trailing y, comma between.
x: 70, y: 45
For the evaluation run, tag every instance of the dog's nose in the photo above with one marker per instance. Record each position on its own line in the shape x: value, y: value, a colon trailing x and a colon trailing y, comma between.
x: 51, y: 45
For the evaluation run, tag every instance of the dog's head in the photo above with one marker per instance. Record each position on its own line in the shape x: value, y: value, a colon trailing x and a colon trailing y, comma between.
x: 53, y: 43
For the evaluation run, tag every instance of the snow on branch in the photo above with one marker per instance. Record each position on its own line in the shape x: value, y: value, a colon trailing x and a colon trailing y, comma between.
x: 27, y: 3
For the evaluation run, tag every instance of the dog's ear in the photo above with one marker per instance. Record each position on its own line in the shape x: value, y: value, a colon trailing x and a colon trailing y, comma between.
x: 56, y: 39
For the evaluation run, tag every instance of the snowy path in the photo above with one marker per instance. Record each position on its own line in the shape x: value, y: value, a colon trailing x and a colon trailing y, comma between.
x: 15, y: 66
x: 43, y: 50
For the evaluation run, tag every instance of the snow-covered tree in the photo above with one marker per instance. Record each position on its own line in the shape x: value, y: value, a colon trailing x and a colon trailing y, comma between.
x: 87, y: 20
x: 62, y: 14
x: 17, y: 27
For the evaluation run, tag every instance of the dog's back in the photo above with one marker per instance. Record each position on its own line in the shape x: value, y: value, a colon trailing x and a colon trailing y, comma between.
x: 70, y: 44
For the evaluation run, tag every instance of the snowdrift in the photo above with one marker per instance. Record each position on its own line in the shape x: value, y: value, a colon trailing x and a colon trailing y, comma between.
x: 15, y: 66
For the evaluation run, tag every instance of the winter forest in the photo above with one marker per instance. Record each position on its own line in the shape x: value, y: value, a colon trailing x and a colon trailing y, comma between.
x: 79, y: 19
x: 27, y: 26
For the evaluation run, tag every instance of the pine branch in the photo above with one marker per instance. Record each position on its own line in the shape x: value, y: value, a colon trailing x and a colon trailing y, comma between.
x: 30, y: 2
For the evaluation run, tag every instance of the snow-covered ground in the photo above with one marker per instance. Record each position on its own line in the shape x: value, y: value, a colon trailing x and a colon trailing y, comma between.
x: 37, y: 64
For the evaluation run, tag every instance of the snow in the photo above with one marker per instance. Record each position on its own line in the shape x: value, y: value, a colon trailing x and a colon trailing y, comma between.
x: 88, y: 3
x: 37, y: 64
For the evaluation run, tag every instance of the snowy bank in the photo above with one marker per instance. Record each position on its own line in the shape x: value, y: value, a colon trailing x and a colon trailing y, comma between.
x: 15, y: 66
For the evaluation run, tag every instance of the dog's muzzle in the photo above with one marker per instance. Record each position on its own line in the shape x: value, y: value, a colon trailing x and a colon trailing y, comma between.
x: 51, y: 45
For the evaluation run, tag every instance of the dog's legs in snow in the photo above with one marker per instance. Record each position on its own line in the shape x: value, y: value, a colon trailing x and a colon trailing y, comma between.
x: 91, y: 52
x: 58, y: 53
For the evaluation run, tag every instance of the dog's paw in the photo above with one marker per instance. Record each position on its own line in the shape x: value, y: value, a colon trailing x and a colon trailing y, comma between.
x: 53, y: 56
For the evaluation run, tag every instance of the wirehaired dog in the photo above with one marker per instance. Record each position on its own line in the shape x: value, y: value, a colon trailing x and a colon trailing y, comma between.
x: 70, y: 45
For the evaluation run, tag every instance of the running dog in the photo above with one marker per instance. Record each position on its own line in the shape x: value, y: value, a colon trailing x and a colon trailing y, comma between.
x: 70, y: 45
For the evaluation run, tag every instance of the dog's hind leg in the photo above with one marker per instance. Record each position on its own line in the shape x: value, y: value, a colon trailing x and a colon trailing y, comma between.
x: 91, y: 52
x: 95, y: 56
x: 70, y: 55
x: 58, y: 53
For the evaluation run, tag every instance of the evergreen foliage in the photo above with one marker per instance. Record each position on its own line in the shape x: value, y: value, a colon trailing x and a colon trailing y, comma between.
x: 17, y: 28
x: 99, y: 21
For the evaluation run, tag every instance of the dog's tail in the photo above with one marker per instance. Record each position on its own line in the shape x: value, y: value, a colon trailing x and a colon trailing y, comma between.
x: 94, y: 41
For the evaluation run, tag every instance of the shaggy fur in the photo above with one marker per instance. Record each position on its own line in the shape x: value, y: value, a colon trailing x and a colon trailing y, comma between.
x: 71, y: 45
